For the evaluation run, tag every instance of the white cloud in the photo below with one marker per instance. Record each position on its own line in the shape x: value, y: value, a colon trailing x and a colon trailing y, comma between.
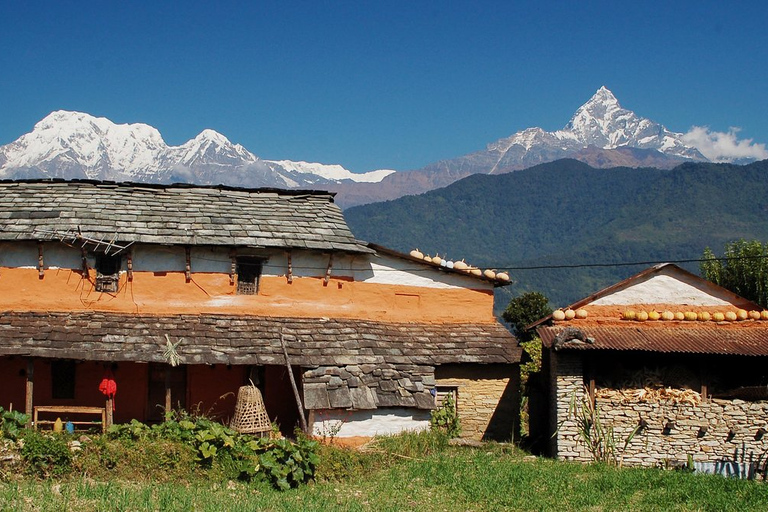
x: 724, y: 146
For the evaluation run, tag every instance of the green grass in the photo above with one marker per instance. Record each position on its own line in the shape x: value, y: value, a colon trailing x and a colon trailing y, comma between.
x: 412, y: 473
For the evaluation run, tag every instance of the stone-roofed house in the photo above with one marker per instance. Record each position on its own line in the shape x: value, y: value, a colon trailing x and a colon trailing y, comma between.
x: 99, y: 279
x: 677, y: 360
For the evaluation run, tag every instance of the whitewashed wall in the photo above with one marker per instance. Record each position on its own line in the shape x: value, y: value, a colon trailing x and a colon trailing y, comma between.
x: 385, y: 421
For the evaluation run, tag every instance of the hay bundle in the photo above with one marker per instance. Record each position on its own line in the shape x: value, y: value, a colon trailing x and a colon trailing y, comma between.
x: 250, y: 414
x: 670, y: 384
x: 648, y: 395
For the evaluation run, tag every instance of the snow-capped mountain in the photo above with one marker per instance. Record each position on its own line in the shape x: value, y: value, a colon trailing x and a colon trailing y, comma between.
x: 600, y: 133
x: 600, y: 123
x: 77, y: 145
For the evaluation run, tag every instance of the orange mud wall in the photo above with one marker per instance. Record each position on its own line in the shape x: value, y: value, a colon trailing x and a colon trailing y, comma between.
x: 169, y: 292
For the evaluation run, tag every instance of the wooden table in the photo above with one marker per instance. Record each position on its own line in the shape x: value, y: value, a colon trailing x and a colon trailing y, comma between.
x: 70, y: 409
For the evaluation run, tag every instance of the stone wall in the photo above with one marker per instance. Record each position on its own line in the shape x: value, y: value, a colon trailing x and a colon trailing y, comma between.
x: 369, y: 386
x: 488, y: 399
x: 566, y: 385
x: 713, y: 431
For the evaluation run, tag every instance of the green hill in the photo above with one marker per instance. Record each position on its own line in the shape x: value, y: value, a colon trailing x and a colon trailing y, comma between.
x: 567, y: 213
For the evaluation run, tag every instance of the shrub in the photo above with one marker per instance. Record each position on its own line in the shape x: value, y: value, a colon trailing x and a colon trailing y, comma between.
x: 283, y: 463
x: 12, y: 423
x: 46, y: 455
x: 445, y: 419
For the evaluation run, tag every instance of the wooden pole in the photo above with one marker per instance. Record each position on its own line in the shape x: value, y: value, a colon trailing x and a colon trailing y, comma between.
x: 108, y: 406
x: 30, y: 390
x: 296, y: 395
x: 168, y: 401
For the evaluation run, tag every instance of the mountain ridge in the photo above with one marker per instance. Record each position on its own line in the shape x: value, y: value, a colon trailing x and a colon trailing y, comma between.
x: 76, y: 145
x: 567, y: 213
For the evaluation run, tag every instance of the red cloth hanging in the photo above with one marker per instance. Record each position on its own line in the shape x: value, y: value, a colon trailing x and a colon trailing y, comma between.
x: 108, y: 386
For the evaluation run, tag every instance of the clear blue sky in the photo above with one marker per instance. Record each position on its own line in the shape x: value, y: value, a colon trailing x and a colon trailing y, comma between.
x: 380, y: 84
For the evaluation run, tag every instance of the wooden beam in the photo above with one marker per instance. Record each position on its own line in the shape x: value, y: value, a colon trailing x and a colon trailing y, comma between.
x: 168, y: 397
x: 84, y: 262
x: 296, y: 395
x: 188, y: 268
x: 328, y: 270
x: 40, y: 264
x: 109, y: 407
x: 129, y: 264
x: 232, y: 266
x: 290, y: 267
x: 30, y: 390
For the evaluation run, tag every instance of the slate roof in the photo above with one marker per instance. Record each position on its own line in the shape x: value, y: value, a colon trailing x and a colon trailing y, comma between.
x: 230, y: 339
x: 747, y: 338
x: 175, y: 214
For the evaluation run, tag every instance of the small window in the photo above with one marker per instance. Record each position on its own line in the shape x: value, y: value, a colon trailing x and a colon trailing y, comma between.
x: 63, y: 379
x: 107, y: 273
x: 444, y: 393
x: 248, y: 272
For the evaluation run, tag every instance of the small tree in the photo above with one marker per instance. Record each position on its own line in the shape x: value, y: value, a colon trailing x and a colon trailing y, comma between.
x: 742, y: 270
x: 524, y: 310
x: 521, y: 312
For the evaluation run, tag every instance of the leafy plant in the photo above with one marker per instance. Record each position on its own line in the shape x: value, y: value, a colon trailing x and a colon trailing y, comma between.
x: 12, y: 423
x: 46, y: 455
x: 283, y: 463
x: 445, y: 419
x: 599, y: 439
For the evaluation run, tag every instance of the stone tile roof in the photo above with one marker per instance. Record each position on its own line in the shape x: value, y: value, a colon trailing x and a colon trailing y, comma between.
x: 229, y: 339
x: 175, y: 214
x: 348, y: 363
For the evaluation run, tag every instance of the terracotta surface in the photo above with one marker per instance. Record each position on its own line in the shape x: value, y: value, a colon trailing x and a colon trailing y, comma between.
x: 169, y: 292
x: 612, y: 316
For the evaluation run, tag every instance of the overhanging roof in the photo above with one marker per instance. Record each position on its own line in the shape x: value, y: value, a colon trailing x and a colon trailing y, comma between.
x: 744, y: 338
x: 175, y: 214
x: 230, y: 339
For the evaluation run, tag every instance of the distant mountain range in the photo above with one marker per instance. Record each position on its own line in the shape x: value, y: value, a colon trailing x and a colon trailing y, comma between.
x: 567, y: 216
x: 76, y: 145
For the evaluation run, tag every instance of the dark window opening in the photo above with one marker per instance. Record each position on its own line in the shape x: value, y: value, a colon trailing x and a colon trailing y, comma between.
x: 107, y: 273
x: 444, y: 394
x: 63, y: 379
x: 248, y: 272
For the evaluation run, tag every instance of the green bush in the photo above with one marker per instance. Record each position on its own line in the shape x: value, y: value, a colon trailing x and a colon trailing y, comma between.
x: 445, y: 419
x: 12, y: 423
x: 46, y: 455
x: 282, y: 463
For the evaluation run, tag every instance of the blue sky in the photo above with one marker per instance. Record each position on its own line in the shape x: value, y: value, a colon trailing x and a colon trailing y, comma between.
x: 374, y: 85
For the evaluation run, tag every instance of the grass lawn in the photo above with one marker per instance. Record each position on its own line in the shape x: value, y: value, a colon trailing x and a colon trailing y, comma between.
x: 493, y: 477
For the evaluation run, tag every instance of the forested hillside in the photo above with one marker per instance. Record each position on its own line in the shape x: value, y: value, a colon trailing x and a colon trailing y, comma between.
x: 567, y: 213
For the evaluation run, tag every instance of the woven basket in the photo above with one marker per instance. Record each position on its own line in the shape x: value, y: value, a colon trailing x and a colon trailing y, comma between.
x: 250, y: 414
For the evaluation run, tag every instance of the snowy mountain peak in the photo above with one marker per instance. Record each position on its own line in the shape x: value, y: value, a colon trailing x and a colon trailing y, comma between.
x: 603, y: 123
x: 77, y: 145
x: 212, y: 136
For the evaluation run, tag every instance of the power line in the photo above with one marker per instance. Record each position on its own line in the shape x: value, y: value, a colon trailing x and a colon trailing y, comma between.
x: 630, y: 264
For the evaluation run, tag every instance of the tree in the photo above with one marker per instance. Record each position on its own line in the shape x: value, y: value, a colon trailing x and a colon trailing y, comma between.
x: 524, y: 310
x: 743, y: 269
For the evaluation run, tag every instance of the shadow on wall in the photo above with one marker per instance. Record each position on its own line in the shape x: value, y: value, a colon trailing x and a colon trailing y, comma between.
x: 505, y: 421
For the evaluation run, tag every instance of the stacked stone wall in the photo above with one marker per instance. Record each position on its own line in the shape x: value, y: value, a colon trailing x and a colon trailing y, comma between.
x: 488, y: 401
x: 712, y: 431
x: 568, y: 387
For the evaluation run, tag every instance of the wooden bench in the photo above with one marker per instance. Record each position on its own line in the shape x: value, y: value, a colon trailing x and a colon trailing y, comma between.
x: 70, y: 409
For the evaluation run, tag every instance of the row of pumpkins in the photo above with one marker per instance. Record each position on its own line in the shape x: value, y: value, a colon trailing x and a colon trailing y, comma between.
x: 569, y: 314
x: 460, y: 265
x: 701, y: 316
